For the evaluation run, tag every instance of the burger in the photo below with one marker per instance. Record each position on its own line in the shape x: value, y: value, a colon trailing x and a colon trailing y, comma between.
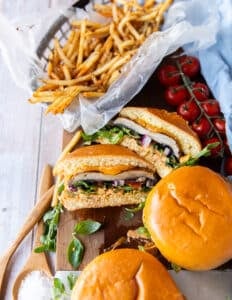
x: 125, y: 274
x: 103, y: 175
x: 189, y: 217
x: 162, y: 138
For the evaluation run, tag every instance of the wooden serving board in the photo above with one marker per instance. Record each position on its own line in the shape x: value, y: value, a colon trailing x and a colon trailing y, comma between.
x: 115, y: 225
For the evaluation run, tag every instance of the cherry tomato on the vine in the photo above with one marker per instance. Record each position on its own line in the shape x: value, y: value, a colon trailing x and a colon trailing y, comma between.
x: 190, y: 66
x: 228, y: 166
x: 169, y: 75
x: 188, y: 110
x: 220, y: 125
x: 201, y: 127
x: 201, y: 91
x: 215, y: 151
x: 176, y: 95
x: 211, y: 107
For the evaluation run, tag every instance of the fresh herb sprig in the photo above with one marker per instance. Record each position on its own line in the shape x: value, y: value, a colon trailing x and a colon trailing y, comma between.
x: 205, y: 152
x: 75, y: 251
x: 51, y: 221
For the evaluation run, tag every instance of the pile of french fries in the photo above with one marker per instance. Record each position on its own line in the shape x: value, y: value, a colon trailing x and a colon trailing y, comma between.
x: 94, y: 54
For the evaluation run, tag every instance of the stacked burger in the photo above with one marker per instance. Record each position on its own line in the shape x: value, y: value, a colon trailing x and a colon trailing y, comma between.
x: 188, y: 213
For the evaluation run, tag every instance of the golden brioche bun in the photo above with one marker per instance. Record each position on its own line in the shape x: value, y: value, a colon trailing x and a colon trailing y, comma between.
x: 125, y: 274
x: 171, y: 124
x: 107, y: 159
x: 189, y: 216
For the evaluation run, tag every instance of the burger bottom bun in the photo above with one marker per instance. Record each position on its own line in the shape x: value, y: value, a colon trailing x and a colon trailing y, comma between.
x: 126, y: 274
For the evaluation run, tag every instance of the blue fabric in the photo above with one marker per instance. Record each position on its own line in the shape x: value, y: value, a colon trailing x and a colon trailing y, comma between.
x: 216, y: 64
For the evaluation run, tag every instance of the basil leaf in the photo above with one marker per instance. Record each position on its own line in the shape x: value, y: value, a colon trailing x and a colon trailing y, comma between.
x: 58, y: 289
x: 143, y: 230
x: 137, y: 208
x: 175, y: 267
x: 72, y: 278
x: 75, y: 253
x: 87, y: 227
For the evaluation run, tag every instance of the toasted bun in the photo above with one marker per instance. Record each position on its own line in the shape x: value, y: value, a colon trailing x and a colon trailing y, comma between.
x: 161, y: 121
x: 107, y: 159
x: 189, y: 216
x: 125, y: 274
x: 103, y: 198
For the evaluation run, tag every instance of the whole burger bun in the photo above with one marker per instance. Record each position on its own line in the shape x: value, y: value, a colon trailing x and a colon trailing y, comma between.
x: 126, y: 274
x: 189, y: 216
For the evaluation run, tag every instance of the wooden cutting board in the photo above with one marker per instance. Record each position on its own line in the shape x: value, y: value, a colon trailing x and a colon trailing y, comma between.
x: 115, y: 225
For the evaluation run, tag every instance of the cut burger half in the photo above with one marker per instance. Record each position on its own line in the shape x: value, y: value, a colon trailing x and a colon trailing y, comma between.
x: 103, y: 175
x: 162, y: 138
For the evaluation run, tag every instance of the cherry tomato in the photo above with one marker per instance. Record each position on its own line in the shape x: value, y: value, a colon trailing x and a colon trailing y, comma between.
x: 201, y: 91
x: 228, y: 166
x: 169, y: 75
x: 214, y: 151
x: 201, y: 127
x: 220, y: 125
x: 190, y: 66
x: 176, y: 95
x: 211, y: 107
x: 188, y: 110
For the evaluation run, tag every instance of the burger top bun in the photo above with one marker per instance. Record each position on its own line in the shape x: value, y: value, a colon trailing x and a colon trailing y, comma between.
x: 126, y: 274
x: 189, y: 216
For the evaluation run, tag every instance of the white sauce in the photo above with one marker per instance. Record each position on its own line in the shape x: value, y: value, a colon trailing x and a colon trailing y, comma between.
x: 37, y: 286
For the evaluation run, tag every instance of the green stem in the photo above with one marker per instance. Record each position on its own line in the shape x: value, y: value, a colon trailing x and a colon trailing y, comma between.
x: 187, y: 84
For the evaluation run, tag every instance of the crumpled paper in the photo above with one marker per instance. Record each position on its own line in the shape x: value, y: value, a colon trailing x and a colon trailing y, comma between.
x: 179, y: 30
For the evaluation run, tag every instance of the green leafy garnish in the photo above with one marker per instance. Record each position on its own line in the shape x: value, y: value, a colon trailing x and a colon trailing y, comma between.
x: 143, y: 230
x: 130, y: 212
x: 60, y: 189
x: 87, y: 227
x: 126, y: 188
x: 51, y: 221
x: 113, y: 134
x: 128, y: 215
x: 75, y: 253
x: 137, y: 208
x: 172, y: 161
x: 141, y: 248
x: 72, y: 278
x: 85, y: 186
x: 175, y: 267
x: 58, y: 289
x: 76, y: 249
x: 205, y: 152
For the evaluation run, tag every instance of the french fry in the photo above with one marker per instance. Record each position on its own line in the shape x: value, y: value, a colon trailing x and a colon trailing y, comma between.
x: 66, y: 72
x: 81, y: 44
x: 69, y: 147
x: 92, y: 94
x: 94, y: 54
x: 61, y: 54
x: 90, y: 61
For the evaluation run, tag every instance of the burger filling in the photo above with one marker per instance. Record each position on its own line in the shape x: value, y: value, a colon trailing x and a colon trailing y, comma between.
x: 162, y: 151
x: 124, y: 186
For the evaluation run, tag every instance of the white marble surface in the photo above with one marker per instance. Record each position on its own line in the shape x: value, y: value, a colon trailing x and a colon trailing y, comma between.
x: 28, y: 141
